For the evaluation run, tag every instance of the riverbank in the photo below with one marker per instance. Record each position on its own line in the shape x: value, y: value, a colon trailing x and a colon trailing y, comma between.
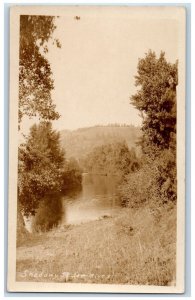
x: 131, y: 247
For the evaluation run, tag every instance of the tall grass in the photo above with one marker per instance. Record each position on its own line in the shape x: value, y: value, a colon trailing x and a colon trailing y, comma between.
x: 131, y: 247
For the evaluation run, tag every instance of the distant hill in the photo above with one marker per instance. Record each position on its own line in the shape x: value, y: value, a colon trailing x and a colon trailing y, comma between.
x: 78, y: 143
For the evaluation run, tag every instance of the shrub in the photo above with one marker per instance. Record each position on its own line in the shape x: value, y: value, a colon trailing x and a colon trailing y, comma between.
x: 153, y: 184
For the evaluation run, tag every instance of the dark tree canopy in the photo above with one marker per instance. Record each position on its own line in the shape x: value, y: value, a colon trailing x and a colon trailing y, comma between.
x: 156, y: 99
x: 41, y: 163
x: 35, y: 75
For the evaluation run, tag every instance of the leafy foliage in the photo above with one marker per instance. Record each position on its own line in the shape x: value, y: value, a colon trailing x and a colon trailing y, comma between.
x: 152, y: 185
x: 156, y: 99
x: 35, y: 75
x: 155, y: 183
x: 41, y: 171
x: 40, y: 158
x: 41, y: 161
x: 113, y: 158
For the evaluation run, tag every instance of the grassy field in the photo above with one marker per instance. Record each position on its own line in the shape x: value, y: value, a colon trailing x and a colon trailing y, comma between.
x: 131, y: 247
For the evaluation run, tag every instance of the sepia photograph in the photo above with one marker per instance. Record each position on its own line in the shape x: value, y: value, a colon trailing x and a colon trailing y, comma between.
x: 97, y: 149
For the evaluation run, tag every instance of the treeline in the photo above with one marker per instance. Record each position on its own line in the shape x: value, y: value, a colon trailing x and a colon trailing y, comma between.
x: 114, y: 159
x: 155, y: 183
x: 109, y: 125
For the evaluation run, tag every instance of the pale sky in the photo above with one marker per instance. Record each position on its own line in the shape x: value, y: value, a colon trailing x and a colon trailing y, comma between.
x: 95, y: 68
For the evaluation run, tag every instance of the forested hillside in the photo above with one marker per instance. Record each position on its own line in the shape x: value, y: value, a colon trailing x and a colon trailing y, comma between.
x: 80, y: 142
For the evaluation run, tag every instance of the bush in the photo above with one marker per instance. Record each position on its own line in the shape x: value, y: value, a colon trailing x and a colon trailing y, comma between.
x: 154, y: 184
x: 137, y: 188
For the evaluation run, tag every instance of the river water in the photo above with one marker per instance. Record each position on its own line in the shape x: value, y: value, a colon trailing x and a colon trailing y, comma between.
x: 95, y: 200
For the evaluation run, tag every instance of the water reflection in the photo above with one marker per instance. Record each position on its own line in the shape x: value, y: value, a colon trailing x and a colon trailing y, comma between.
x: 96, y: 199
x: 49, y: 213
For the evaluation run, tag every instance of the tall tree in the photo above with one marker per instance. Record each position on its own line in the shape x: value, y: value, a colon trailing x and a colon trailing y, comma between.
x: 41, y: 163
x: 35, y: 75
x: 156, y: 100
